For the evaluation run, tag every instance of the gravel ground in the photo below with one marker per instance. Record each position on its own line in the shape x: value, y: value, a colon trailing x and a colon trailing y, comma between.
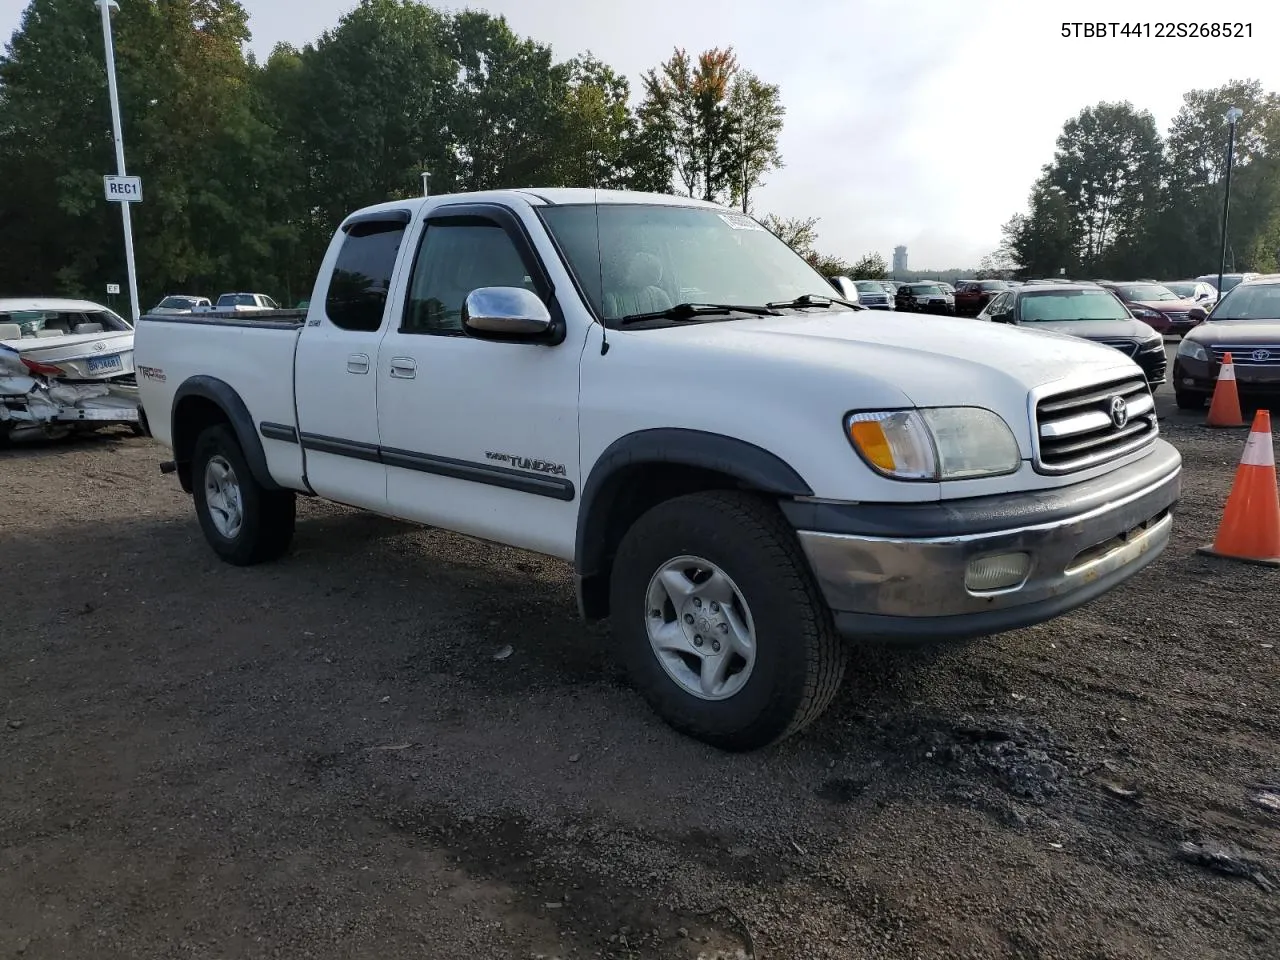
x: 324, y: 758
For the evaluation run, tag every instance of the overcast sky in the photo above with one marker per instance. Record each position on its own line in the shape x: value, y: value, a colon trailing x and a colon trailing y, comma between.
x: 921, y: 122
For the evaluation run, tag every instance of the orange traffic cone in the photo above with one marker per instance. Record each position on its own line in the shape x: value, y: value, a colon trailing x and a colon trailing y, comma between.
x: 1224, y: 411
x: 1250, y: 529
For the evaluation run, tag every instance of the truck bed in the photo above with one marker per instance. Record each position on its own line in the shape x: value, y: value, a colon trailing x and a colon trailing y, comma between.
x: 251, y: 354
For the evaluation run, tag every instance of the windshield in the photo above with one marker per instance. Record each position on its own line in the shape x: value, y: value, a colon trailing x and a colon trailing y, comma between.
x: 924, y: 290
x: 868, y: 286
x: 993, y: 285
x: 1252, y: 301
x: 631, y: 259
x: 1146, y: 292
x: 1059, y: 305
x: 54, y: 323
x: 179, y: 303
x: 237, y: 300
x: 1184, y: 290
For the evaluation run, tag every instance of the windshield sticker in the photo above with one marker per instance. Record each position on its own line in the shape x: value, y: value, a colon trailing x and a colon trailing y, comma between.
x: 740, y: 222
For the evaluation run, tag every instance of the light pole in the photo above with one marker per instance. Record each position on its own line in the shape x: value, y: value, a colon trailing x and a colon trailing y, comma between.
x: 1233, y: 115
x: 426, y: 184
x: 106, y: 6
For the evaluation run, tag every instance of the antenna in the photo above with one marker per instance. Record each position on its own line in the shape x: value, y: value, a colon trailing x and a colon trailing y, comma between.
x: 604, y: 327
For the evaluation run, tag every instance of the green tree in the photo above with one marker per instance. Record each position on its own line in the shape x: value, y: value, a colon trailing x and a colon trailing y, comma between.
x: 508, y: 106
x: 757, y: 115
x: 799, y: 233
x: 598, y: 128
x: 870, y: 266
x: 688, y: 101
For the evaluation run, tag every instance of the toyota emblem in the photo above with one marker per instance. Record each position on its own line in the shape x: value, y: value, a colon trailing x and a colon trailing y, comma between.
x: 99, y: 346
x: 1119, y: 412
x: 1260, y: 356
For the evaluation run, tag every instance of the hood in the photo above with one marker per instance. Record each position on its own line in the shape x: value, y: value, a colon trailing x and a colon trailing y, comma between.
x: 1097, y: 329
x: 1166, y: 306
x: 926, y: 361
x: 1237, y: 333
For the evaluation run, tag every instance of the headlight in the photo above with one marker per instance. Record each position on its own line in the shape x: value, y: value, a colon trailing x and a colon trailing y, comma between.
x: 941, y: 443
x: 1192, y: 350
x: 1143, y: 313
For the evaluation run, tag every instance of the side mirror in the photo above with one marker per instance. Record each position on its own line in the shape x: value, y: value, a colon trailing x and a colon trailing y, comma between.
x: 1006, y: 317
x: 510, y: 314
x: 1197, y: 314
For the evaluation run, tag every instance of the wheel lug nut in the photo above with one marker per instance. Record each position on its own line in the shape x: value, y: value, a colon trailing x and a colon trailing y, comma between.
x: 697, y: 641
x: 655, y: 614
x: 723, y: 628
x: 715, y: 645
x: 715, y: 607
x: 697, y: 602
x: 688, y: 618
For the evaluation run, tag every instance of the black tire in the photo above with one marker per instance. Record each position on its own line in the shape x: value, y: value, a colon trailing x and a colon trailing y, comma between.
x: 800, y: 659
x: 1188, y: 401
x: 266, y: 529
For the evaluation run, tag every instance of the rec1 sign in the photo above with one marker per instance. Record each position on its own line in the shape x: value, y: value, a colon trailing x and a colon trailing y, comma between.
x: 123, y: 189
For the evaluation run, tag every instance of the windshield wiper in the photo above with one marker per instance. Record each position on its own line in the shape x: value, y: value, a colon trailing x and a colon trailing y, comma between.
x: 689, y: 311
x: 816, y: 300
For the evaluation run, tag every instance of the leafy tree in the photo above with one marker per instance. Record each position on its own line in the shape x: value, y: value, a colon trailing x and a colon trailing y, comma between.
x: 757, y: 112
x: 871, y: 266
x: 827, y: 265
x: 799, y: 233
x: 598, y: 128
x: 507, y: 106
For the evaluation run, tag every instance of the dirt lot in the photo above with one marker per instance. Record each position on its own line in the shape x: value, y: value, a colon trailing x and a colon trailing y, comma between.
x: 323, y: 758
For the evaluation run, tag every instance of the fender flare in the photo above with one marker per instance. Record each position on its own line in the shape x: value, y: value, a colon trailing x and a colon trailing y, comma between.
x: 225, y: 397
x: 754, y: 467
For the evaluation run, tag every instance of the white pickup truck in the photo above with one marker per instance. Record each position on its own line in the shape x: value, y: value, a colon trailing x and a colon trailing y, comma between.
x: 747, y: 472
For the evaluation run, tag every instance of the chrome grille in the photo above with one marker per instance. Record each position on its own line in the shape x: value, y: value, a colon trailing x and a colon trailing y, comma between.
x: 1178, y: 316
x: 1251, y: 355
x: 1128, y: 347
x: 1075, y: 429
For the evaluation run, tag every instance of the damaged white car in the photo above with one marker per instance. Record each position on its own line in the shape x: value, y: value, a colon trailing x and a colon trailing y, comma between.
x: 65, y: 365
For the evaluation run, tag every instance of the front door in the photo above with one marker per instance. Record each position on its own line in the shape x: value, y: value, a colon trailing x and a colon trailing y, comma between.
x: 479, y: 437
x: 336, y: 379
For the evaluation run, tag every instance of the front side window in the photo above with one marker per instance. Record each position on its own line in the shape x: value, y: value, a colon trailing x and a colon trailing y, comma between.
x: 869, y: 286
x: 459, y: 255
x: 361, y: 280
x: 631, y: 259
x: 1064, y: 305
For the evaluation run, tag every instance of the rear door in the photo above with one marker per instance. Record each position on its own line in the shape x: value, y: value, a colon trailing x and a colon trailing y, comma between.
x: 335, y: 377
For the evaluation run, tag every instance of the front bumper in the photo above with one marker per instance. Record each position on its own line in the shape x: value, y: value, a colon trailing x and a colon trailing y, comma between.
x: 1199, y: 376
x: 897, y: 571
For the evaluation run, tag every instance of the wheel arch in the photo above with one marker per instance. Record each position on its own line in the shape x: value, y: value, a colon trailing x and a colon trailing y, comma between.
x: 642, y: 469
x: 204, y: 401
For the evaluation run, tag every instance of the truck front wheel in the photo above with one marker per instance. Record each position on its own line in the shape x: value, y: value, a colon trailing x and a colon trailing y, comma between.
x: 243, y: 522
x: 719, y: 621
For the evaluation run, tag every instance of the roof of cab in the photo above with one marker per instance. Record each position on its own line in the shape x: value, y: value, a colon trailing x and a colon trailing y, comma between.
x: 540, y: 197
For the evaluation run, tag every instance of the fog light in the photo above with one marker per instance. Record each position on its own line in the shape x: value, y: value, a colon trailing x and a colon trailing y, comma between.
x: 997, y: 573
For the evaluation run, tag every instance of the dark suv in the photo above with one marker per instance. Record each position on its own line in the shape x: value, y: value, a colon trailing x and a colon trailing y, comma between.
x: 1084, y: 311
x: 925, y: 298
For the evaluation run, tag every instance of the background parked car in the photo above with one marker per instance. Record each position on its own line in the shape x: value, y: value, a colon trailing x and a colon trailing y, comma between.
x: 973, y: 295
x: 1156, y: 305
x: 243, y: 302
x: 1204, y: 294
x: 1246, y: 323
x: 872, y: 295
x: 179, y: 303
x: 1229, y: 280
x: 1086, y: 311
x: 924, y: 298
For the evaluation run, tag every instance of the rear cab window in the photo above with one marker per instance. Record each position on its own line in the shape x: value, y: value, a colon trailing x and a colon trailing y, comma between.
x: 361, y: 281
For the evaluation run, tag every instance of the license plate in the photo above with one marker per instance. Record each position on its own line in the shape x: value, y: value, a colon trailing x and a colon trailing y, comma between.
x: 105, y: 364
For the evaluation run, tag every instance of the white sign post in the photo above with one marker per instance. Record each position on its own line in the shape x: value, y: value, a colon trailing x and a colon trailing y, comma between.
x: 123, y: 189
x: 122, y: 180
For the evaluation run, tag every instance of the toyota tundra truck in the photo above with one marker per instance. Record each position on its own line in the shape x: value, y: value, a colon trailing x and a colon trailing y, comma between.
x: 748, y: 473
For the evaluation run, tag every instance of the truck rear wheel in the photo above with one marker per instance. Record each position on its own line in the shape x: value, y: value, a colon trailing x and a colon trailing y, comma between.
x: 720, y: 623
x: 243, y: 522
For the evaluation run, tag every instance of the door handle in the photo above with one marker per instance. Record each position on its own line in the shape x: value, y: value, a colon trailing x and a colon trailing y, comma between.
x: 358, y: 363
x: 403, y: 368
